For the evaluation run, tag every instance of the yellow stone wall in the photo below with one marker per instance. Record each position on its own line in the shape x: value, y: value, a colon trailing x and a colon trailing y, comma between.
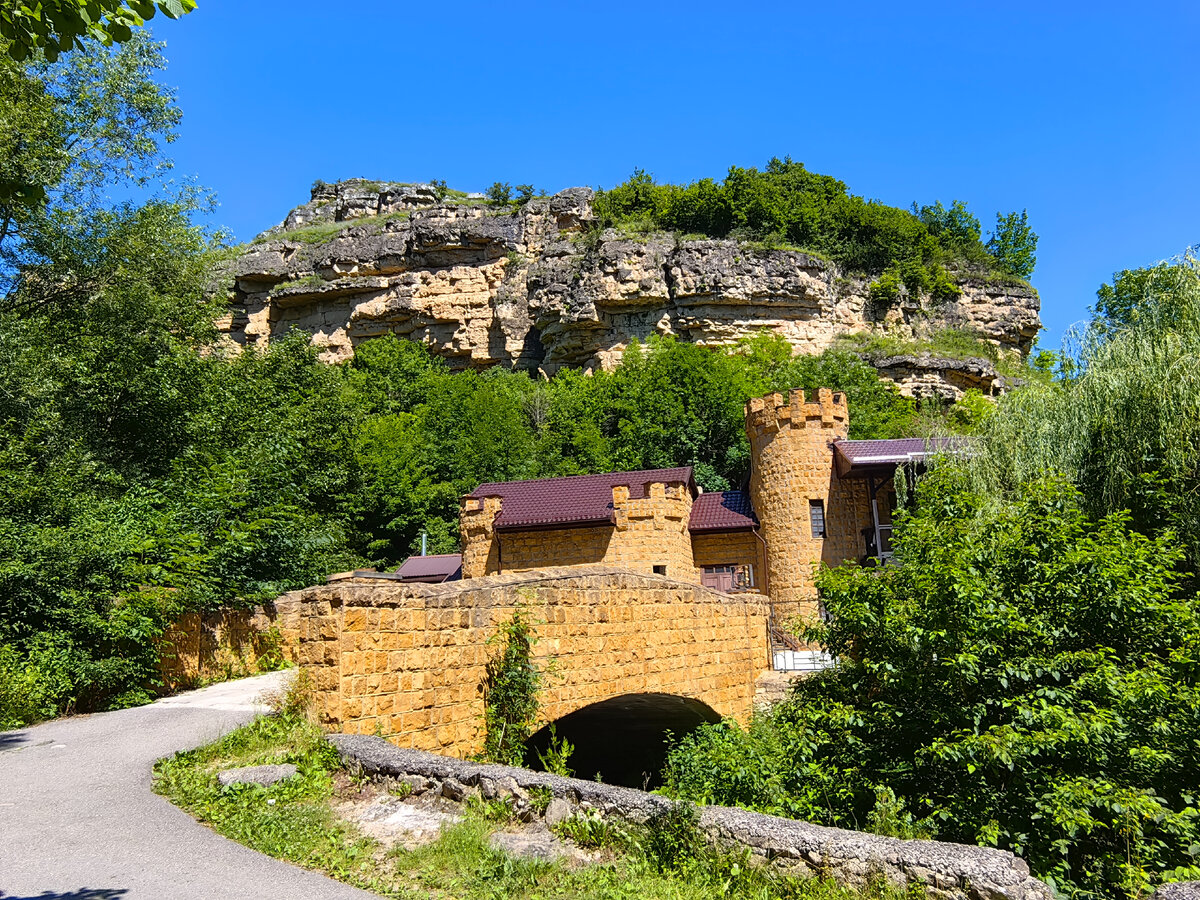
x: 228, y: 643
x: 649, y: 531
x: 724, y: 548
x: 479, y: 552
x: 792, y: 463
x: 408, y: 660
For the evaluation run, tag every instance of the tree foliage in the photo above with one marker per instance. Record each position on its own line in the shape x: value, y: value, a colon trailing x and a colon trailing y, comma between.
x: 1024, y: 678
x: 510, y: 692
x: 74, y: 132
x: 785, y: 203
x: 52, y: 27
x: 1125, y: 425
x: 1013, y: 245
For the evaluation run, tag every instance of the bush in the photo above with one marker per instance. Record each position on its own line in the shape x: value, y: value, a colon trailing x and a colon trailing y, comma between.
x: 510, y: 693
x: 1025, y: 677
x: 786, y: 205
x: 500, y: 193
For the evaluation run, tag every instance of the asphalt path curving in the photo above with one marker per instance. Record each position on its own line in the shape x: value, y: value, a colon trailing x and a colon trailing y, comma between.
x: 78, y: 820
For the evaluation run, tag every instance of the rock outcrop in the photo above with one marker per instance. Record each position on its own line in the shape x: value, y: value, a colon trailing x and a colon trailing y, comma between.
x: 927, y: 376
x: 536, y: 288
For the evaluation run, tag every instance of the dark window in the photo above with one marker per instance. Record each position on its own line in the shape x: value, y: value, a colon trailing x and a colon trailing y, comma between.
x: 816, y: 517
x: 660, y: 570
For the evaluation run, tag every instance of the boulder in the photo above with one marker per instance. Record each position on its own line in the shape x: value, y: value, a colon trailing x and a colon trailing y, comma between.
x: 264, y: 775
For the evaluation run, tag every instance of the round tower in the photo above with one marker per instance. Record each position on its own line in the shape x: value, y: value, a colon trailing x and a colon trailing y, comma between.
x: 791, y: 480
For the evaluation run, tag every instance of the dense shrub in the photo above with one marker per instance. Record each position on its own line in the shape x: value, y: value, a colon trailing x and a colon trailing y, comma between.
x: 787, y: 203
x: 1025, y: 678
x: 1124, y: 422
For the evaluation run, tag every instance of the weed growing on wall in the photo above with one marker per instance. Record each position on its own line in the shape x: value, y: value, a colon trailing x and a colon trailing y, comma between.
x: 510, y: 692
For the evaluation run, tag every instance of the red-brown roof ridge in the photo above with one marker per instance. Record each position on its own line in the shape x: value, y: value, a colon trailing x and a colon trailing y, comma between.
x: 722, y: 511
x: 572, y: 500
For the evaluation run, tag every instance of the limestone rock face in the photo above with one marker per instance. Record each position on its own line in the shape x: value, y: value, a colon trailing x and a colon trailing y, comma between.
x: 928, y: 376
x: 536, y: 288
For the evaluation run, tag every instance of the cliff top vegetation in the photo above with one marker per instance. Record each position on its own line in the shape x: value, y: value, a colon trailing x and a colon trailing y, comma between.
x: 923, y: 248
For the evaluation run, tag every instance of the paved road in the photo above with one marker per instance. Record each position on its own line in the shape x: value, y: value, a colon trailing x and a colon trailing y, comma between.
x: 78, y: 820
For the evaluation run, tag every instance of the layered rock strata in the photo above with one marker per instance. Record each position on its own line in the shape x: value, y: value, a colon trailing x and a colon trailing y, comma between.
x: 537, y: 288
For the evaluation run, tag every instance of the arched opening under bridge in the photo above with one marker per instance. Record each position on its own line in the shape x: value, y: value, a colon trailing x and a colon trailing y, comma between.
x: 623, y: 739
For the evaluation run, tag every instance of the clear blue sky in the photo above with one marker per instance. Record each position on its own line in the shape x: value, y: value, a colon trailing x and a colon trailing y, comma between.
x: 1086, y: 114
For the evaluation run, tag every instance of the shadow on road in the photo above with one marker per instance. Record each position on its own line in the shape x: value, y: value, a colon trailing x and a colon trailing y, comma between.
x: 10, y: 740
x: 81, y: 894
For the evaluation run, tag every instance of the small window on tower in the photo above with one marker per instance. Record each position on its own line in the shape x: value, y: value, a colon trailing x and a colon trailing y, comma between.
x: 660, y: 570
x: 816, y: 517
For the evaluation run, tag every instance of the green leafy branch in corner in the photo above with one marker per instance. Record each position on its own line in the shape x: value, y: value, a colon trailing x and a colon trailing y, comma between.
x: 510, y: 690
x: 55, y: 26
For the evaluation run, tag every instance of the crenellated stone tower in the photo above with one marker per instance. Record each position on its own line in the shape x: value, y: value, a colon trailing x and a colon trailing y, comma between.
x: 793, y: 489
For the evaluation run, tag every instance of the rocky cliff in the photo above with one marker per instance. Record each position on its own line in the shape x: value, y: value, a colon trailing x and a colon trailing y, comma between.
x: 537, y: 287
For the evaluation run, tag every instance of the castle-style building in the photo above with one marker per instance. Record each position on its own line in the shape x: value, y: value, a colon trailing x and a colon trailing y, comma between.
x: 813, y: 497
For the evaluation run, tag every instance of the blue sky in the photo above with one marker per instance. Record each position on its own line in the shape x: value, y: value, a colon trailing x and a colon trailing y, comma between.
x: 1085, y: 114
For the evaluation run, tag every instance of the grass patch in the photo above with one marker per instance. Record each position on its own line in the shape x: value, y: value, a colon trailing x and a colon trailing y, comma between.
x: 327, y: 231
x: 948, y: 343
x: 294, y: 821
x: 306, y: 281
x: 311, y: 234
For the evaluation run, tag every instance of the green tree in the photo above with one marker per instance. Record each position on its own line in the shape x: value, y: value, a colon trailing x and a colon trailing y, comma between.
x: 500, y: 193
x: 954, y: 227
x: 1013, y: 244
x: 75, y: 131
x: 55, y: 26
x: 1125, y: 425
x: 877, y: 409
x: 1024, y: 678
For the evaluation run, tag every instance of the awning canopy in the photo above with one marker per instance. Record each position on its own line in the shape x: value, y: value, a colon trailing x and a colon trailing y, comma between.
x: 860, y: 459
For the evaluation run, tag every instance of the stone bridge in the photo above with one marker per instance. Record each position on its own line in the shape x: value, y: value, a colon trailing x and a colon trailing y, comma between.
x: 627, y: 656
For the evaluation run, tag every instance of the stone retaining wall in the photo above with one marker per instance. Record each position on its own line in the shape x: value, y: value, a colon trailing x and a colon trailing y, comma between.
x: 228, y: 643
x: 950, y: 871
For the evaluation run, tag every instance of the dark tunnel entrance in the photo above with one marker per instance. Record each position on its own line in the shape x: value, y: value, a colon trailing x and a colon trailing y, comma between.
x: 623, y: 739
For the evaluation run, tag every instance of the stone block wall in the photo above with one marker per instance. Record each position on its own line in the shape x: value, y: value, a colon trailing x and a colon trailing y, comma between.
x: 653, y: 531
x: 227, y: 643
x: 726, y: 548
x: 646, y: 532
x: 522, y: 551
x: 792, y: 464
x: 480, y: 555
x: 407, y: 660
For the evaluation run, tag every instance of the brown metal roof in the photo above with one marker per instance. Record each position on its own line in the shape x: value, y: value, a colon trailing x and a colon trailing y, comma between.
x: 722, y: 511
x: 576, y: 500
x: 862, y: 455
x: 432, y: 569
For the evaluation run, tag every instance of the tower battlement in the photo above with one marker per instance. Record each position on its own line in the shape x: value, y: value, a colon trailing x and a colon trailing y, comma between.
x: 791, y: 464
x: 775, y: 411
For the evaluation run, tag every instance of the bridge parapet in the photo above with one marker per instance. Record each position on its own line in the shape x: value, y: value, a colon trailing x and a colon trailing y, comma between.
x: 407, y: 660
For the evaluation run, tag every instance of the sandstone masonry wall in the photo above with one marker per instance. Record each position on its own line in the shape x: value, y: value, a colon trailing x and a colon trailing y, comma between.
x: 408, y: 659
x: 647, y: 532
x: 725, y: 548
x: 791, y: 445
x: 225, y: 643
